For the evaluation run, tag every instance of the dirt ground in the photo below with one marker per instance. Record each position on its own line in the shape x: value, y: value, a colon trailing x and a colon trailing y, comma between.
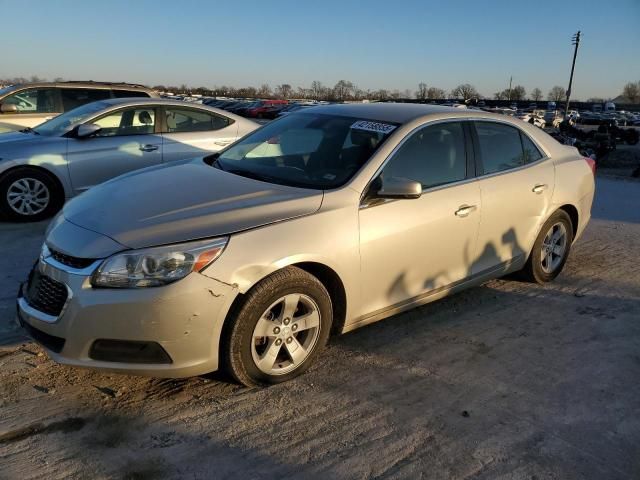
x: 506, y: 380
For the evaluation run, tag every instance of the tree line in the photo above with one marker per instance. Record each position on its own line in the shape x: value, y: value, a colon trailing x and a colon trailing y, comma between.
x: 345, y: 90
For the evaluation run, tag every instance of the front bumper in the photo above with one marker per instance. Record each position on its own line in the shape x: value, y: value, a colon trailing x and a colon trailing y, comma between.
x: 185, y: 318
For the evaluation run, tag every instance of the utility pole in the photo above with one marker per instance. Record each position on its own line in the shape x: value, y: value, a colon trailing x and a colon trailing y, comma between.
x: 575, y: 40
x: 510, y: 80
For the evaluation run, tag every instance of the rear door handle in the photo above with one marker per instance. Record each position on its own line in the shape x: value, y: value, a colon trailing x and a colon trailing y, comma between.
x: 541, y: 187
x: 465, y: 210
x: 148, y: 148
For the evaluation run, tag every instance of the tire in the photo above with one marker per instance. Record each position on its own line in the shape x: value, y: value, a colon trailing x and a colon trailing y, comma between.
x: 541, y: 270
x: 249, y: 357
x: 46, y: 196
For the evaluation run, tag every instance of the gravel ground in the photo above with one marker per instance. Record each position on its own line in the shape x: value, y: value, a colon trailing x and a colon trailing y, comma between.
x: 506, y: 380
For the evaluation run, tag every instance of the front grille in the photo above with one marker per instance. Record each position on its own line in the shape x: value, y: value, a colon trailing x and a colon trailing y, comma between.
x: 68, y: 260
x: 45, y: 294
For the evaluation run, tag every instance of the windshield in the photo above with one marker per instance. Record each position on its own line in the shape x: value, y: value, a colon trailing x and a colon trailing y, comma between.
x: 63, y: 123
x: 306, y: 150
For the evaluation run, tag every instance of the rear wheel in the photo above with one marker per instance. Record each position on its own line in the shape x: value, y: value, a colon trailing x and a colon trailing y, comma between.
x: 29, y: 195
x: 279, y: 329
x: 550, y: 250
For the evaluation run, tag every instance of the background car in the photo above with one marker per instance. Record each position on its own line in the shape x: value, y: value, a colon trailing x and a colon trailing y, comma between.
x: 258, y: 109
x: 69, y: 154
x: 29, y: 105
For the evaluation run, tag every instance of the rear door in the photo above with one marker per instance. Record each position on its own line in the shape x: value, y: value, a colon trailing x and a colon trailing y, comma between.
x: 516, y: 184
x: 127, y: 141
x: 189, y: 132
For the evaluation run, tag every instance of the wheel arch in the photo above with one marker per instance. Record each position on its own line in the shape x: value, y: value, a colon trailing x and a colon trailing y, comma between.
x: 325, y: 274
x: 572, y: 211
x: 334, y: 285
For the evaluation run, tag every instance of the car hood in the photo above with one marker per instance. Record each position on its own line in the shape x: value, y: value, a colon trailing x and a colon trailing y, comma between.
x: 9, y: 127
x: 184, y: 201
x: 12, y: 137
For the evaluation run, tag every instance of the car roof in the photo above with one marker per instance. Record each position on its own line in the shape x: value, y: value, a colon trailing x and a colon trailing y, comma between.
x: 403, y: 113
x: 385, y: 112
x: 83, y: 84
x: 143, y: 100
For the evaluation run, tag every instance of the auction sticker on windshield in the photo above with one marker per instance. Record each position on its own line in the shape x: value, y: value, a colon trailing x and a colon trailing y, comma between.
x: 373, y: 126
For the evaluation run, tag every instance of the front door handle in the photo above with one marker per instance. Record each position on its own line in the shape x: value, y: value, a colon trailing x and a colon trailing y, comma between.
x: 465, y: 210
x: 148, y: 148
x: 541, y: 187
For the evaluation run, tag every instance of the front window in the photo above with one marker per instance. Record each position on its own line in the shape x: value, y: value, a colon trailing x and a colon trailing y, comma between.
x: 63, y: 123
x: 433, y: 156
x: 130, y: 121
x: 307, y: 150
x: 33, y: 100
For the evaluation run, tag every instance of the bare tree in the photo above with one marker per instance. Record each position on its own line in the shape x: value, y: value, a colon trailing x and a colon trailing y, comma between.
x: 632, y: 91
x: 465, y: 92
x: 264, y: 91
x: 557, y: 94
x: 421, y: 93
x: 435, y: 93
x: 518, y: 93
x: 343, y: 90
x: 536, y: 94
x: 284, y: 90
x: 317, y: 89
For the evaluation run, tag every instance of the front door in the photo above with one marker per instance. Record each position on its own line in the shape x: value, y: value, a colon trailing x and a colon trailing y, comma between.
x: 411, y: 247
x: 125, y: 143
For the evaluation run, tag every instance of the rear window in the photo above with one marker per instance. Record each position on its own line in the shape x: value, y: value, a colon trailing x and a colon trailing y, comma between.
x: 76, y: 97
x: 503, y: 147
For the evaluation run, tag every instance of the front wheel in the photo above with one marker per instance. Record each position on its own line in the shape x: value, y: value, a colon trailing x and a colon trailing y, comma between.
x: 279, y: 329
x: 550, y: 250
x: 29, y: 195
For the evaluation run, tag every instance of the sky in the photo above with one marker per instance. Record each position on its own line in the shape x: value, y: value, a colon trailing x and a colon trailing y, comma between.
x: 391, y: 44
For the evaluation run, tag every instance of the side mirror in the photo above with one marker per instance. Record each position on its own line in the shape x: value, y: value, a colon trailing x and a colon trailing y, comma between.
x: 87, y: 129
x: 8, y: 108
x: 398, y: 187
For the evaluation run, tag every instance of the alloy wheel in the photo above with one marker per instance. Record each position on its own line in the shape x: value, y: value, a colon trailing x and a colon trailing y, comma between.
x: 28, y: 196
x: 554, y: 247
x: 285, y: 334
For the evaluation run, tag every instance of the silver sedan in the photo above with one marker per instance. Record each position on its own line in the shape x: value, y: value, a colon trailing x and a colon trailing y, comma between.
x: 323, y: 221
x: 43, y: 166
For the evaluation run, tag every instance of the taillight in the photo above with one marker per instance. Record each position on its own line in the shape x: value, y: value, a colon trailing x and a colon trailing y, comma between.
x: 592, y: 164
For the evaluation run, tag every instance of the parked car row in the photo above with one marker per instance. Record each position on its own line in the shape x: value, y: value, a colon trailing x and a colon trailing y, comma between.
x: 621, y: 118
x: 267, y: 109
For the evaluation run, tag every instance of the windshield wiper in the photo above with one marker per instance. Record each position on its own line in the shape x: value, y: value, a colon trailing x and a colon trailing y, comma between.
x: 29, y: 130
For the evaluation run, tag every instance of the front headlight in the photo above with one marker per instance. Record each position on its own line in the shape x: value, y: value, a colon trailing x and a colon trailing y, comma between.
x: 153, y: 267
